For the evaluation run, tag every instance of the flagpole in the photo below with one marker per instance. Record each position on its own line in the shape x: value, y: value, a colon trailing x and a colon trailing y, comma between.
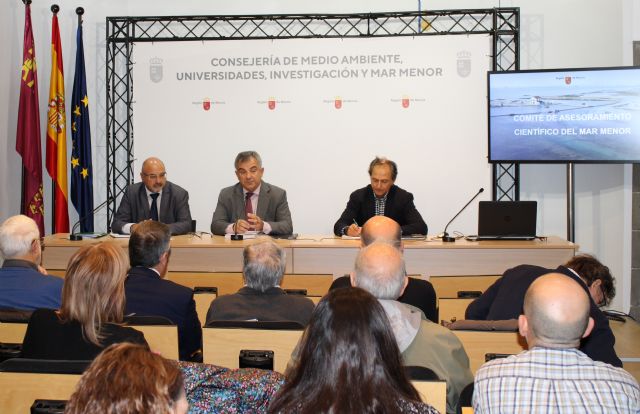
x: 54, y: 9
x: 79, y: 12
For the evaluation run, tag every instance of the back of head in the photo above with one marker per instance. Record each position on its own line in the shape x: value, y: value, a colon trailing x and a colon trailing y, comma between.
x: 16, y: 235
x: 380, y: 270
x: 264, y: 264
x: 349, y: 360
x: 590, y: 269
x: 381, y: 228
x: 93, y: 290
x: 557, y: 311
x: 148, y: 241
x: 128, y: 379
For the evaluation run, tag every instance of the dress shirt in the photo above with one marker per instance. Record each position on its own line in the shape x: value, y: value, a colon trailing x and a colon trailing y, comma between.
x: 546, y: 380
x: 266, y: 227
x: 126, y: 229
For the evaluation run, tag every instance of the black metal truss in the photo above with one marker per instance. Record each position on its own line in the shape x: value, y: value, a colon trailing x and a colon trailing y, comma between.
x: 123, y: 32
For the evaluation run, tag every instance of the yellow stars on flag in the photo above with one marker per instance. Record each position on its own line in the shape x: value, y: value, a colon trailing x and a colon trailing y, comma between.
x: 85, y: 101
x: 75, y: 162
x: 85, y: 173
x: 76, y: 110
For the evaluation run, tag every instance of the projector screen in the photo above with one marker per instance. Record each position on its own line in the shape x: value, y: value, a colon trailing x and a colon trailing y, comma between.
x: 318, y: 111
x: 565, y: 115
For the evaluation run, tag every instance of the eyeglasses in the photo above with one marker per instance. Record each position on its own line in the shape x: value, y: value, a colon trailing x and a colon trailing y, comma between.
x: 155, y: 176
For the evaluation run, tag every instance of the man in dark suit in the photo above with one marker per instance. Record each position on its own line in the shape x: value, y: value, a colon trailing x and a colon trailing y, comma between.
x: 504, y: 300
x: 147, y: 293
x: 252, y: 204
x: 418, y: 293
x: 261, y: 298
x: 381, y: 198
x: 154, y: 198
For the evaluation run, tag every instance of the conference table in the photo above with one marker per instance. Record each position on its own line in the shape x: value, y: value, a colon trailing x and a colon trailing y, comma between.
x: 317, y: 254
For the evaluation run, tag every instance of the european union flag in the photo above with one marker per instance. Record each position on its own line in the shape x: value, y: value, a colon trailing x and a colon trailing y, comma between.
x: 81, y: 168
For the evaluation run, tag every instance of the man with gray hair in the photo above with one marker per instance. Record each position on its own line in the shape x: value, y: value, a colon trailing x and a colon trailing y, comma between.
x: 148, y: 293
x: 553, y: 375
x: 251, y: 204
x: 261, y: 298
x: 380, y: 270
x: 24, y: 284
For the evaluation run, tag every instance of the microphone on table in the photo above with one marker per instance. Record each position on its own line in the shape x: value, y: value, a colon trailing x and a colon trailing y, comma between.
x: 76, y: 237
x: 445, y: 236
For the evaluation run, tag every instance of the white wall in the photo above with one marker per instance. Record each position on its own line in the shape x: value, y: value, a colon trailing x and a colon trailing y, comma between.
x: 570, y: 33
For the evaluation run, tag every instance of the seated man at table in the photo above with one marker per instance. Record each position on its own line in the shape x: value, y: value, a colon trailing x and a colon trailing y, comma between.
x: 419, y: 293
x: 154, y: 198
x: 24, y: 284
x: 504, y: 300
x: 380, y: 198
x: 380, y: 270
x: 554, y: 376
x: 261, y: 298
x: 149, y: 294
x: 251, y: 204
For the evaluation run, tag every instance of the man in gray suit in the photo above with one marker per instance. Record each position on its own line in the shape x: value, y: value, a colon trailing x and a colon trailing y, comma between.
x: 154, y: 198
x: 252, y: 204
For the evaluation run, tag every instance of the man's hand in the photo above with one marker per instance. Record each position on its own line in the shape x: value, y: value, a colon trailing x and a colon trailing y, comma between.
x: 242, y: 226
x: 42, y: 270
x: 255, y: 221
x: 354, y: 230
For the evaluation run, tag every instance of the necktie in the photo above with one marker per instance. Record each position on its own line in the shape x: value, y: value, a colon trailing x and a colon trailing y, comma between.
x: 154, y: 206
x: 248, y: 208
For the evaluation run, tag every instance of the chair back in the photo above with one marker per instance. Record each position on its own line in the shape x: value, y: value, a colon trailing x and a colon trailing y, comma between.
x: 161, y: 334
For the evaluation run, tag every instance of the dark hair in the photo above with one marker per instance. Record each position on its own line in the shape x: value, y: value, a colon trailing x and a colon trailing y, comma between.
x: 147, y: 243
x: 590, y: 269
x: 128, y: 379
x: 349, y: 360
x: 383, y: 161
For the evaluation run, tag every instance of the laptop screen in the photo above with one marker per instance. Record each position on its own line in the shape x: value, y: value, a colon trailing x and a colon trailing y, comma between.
x: 507, y: 219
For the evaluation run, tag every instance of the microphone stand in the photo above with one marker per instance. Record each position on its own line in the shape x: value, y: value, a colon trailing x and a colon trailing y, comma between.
x: 445, y: 236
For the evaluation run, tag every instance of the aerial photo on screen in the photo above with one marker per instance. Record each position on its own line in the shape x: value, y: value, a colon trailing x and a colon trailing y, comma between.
x: 561, y: 116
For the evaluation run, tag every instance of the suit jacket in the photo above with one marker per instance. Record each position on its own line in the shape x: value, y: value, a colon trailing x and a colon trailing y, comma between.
x: 147, y: 294
x: 272, y: 305
x: 505, y: 298
x: 399, y: 206
x: 272, y: 208
x: 174, y: 208
x: 419, y: 293
x: 23, y: 287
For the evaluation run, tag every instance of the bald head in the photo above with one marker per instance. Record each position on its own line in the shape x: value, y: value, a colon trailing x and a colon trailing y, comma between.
x: 20, y: 239
x: 153, y: 174
x: 556, y: 309
x: 380, y: 270
x: 381, y: 228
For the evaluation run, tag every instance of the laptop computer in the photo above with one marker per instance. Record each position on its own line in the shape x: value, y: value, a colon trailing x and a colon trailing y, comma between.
x: 507, y: 220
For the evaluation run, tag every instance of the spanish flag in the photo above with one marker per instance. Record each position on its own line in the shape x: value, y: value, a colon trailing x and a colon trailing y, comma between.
x: 56, y: 134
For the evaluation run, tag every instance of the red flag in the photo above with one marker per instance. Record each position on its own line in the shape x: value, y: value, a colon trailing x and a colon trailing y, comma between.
x: 57, y: 134
x: 28, y: 135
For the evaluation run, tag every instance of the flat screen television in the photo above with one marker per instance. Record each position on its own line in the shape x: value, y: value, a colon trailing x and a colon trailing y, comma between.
x: 565, y: 115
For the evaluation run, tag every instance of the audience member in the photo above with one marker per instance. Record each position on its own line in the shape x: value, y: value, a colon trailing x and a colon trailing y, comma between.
x: 380, y: 270
x: 92, y: 309
x: 504, y: 299
x: 129, y: 379
x: 380, y: 198
x: 154, y: 198
x: 24, y: 284
x: 419, y: 293
x: 553, y: 375
x: 149, y: 294
x: 261, y: 298
x: 251, y: 204
x: 349, y: 362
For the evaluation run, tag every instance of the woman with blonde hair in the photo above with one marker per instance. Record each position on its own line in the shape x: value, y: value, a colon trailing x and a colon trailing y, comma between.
x: 92, y: 309
x: 129, y: 379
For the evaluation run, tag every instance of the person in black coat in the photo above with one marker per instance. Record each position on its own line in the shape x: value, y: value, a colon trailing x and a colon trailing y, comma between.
x: 381, y: 198
x: 149, y: 294
x: 504, y: 300
x: 419, y: 293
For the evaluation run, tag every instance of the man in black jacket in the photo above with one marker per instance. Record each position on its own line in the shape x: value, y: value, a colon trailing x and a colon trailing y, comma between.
x: 418, y: 293
x: 504, y: 300
x: 381, y: 198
